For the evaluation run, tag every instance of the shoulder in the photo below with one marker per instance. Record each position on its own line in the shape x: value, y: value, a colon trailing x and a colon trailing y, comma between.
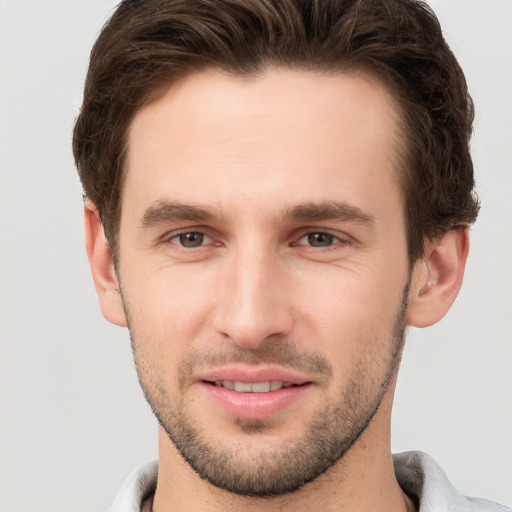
x: 422, y: 478
x: 139, y: 485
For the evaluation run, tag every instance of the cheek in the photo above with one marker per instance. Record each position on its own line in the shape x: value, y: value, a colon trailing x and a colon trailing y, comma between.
x: 349, y: 315
x: 168, y: 310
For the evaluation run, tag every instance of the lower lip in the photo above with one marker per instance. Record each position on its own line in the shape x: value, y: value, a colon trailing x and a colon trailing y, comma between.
x: 254, y: 406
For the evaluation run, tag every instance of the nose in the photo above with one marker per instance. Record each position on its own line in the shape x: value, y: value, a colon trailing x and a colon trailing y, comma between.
x: 254, y: 301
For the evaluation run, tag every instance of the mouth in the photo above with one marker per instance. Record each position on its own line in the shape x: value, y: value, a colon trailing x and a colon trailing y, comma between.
x: 252, y: 387
x: 255, y: 394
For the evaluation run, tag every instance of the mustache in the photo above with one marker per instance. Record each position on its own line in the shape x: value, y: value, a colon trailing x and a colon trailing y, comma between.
x: 271, y: 352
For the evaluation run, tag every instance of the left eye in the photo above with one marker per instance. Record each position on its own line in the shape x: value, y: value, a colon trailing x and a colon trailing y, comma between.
x: 318, y: 239
x: 191, y: 239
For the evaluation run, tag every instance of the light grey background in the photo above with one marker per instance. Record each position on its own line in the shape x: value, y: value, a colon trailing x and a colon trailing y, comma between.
x: 73, y: 421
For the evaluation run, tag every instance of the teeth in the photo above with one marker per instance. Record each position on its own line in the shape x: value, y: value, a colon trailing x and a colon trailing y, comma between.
x: 275, y: 385
x: 260, y: 387
x: 255, y: 387
x: 243, y: 387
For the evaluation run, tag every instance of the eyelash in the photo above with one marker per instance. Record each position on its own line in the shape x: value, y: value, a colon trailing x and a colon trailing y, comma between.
x: 335, y: 241
x: 174, y: 236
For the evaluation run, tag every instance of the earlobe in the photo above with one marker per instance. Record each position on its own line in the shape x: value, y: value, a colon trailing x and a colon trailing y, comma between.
x: 437, y: 278
x: 102, y: 267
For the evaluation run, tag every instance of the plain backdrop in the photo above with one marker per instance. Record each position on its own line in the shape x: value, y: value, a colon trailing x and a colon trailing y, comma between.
x: 73, y: 422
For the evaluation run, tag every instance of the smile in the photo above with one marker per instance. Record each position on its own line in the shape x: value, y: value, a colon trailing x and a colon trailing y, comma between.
x: 253, y: 387
x: 258, y: 400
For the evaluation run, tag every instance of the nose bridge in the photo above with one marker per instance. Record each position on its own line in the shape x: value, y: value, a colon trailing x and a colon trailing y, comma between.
x: 253, y: 305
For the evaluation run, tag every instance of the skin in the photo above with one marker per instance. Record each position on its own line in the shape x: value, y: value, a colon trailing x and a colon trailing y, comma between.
x: 249, y: 153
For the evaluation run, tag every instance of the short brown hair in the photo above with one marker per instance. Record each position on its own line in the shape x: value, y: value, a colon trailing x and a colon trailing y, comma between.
x: 148, y: 44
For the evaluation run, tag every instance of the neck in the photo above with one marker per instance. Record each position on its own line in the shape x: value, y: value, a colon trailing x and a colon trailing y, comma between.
x: 363, y: 481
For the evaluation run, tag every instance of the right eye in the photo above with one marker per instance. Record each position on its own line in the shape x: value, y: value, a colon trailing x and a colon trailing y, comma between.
x: 191, y: 239
x: 318, y: 239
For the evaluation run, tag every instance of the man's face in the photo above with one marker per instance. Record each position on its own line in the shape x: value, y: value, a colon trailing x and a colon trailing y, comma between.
x: 263, y: 267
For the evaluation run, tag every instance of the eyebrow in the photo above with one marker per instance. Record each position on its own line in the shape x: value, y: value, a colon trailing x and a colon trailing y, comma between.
x: 166, y: 212
x: 331, y: 210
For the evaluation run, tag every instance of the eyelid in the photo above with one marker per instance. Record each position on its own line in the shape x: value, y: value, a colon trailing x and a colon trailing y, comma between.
x: 168, y: 237
x: 342, y: 238
x: 205, y: 236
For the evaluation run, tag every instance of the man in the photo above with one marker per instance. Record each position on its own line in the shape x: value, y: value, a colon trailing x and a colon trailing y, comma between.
x: 274, y: 192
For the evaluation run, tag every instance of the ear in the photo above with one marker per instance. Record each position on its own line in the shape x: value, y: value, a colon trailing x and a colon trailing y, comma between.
x: 437, y: 278
x: 102, y: 267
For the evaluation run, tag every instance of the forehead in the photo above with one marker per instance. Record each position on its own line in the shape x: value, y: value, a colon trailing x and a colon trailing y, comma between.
x: 303, y: 134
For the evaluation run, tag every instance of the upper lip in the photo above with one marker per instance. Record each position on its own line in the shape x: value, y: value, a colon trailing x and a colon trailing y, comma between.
x: 253, y: 374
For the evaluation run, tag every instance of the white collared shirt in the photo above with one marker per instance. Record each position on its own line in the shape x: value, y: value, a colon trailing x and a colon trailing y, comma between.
x: 417, y: 473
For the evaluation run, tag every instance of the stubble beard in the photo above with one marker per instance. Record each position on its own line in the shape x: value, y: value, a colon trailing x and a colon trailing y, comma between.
x: 327, y: 437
